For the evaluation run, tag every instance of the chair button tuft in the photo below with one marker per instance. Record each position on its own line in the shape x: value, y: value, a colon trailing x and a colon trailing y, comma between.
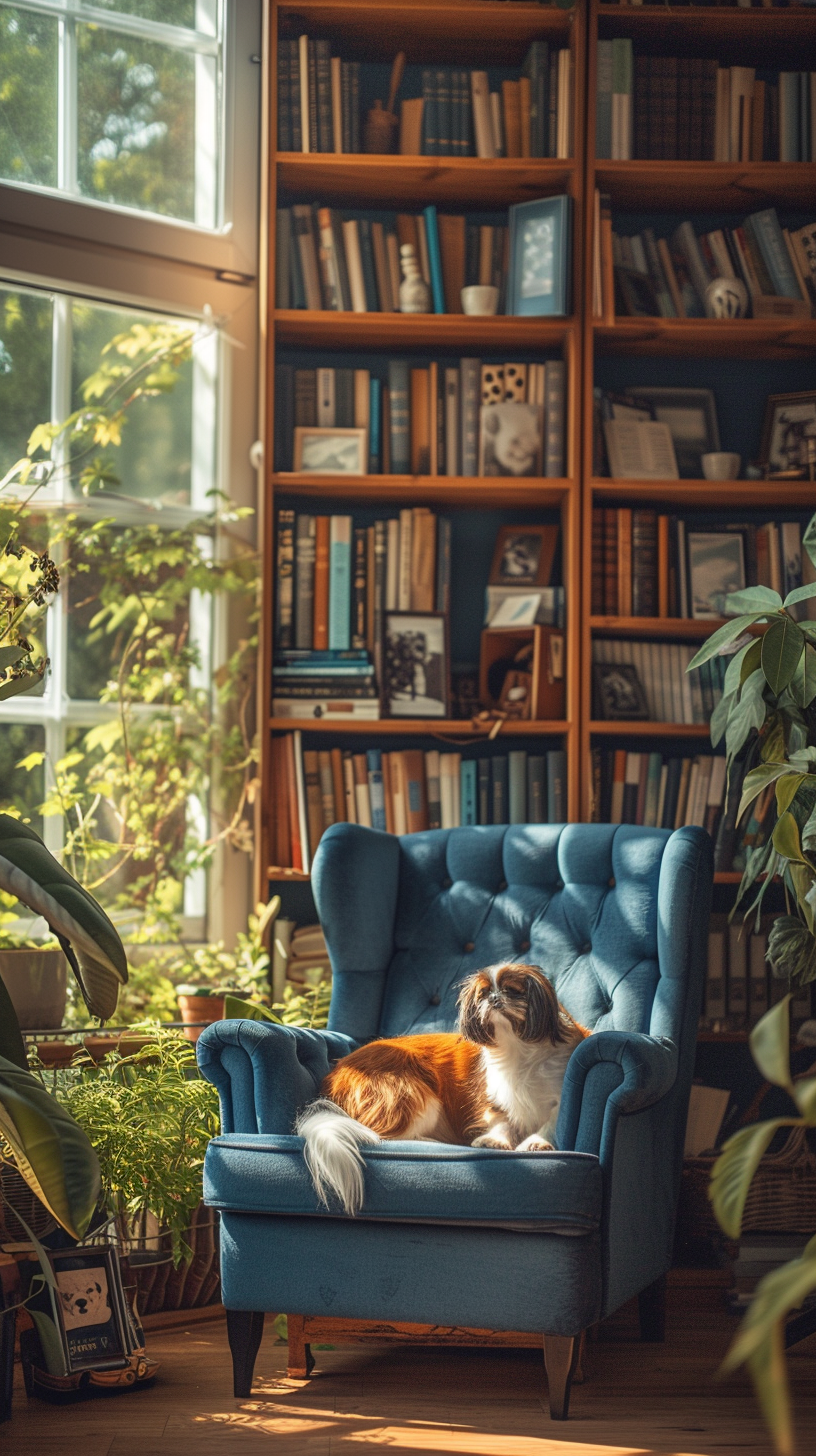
x: 435, y: 1001
x: 586, y: 948
x: 611, y: 882
x: 469, y: 946
x: 502, y: 885
x: 525, y: 945
x: 559, y: 884
x: 446, y: 883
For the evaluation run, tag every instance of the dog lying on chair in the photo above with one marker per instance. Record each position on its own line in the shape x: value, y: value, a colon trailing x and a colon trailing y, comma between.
x: 494, y: 1083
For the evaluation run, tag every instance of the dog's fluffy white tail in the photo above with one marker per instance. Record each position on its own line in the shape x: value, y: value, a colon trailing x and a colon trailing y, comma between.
x: 332, y: 1142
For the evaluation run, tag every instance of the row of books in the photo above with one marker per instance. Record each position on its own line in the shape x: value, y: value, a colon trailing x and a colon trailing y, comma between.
x: 661, y: 689
x: 650, y: 565
x: 336, y: 261
x: 466, y: 419
x: 667, y: 278
x: 672, y: 108
x: 457, y: 114
x: 406, y: 791
x: 739, y: 984
x: 663, y: 792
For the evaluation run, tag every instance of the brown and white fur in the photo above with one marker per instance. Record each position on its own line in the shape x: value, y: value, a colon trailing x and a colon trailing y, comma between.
x: 496, y: 1083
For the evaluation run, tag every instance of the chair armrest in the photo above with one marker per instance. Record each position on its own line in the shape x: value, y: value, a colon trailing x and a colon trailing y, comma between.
x: 265, y: 1073
x: 611, y: 1073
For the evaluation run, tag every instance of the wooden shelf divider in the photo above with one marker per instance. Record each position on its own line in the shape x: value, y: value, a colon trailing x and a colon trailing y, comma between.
x: 421, y: 727
x: 398, y: 332
x: 375, y: 181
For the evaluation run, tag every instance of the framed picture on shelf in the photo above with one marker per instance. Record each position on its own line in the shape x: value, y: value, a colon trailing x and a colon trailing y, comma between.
x: 691, y: 416
x: 716, y: 567
x: 511, y: 439
x: 539, y: 273
x: 789, y: 435
x: 326, y: 450
x: 416, y: 665
x: 619, y: 694
x: 89, y: 1306
x: 524, y: 556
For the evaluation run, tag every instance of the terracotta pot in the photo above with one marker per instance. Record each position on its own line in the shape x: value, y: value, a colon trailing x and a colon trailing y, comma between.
x: 37, y: 982
x: 199, y: 1009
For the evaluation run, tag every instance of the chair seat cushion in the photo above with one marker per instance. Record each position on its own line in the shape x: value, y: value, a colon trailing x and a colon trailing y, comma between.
x: 414, y: 1182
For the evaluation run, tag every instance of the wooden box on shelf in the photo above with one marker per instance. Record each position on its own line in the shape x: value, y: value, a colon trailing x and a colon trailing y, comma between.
x: 546, y: 667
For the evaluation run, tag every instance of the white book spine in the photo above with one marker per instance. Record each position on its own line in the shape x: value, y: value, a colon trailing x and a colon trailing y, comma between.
x: 446, y: 790
x: 303, y: 62
x: 482, y: 121
x: 404, y: 581
x: 354, y: 262
x: 337, y: 103
x: 392, y: 559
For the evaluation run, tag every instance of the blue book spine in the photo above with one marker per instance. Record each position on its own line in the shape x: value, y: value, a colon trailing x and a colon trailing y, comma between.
x: 434, y: 259
x: 376, y: 792
x: 556, y: 786
x: 467, y: 779
x: 340, y: 583
x: 374, y: 425
x: 764, y: 228
x: 398, y: 381
x: 430, y: 135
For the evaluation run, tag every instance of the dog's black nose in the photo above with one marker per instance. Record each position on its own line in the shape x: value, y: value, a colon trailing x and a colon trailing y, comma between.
x: 82, y: 1305
x: 494, y: 999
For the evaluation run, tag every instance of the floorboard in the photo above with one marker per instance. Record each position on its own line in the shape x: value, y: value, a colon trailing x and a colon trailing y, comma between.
x: 636, y: 1400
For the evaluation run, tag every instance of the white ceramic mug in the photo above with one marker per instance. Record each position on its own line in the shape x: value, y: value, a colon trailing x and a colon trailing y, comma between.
x: 721, y: 465
x: 480, y: 298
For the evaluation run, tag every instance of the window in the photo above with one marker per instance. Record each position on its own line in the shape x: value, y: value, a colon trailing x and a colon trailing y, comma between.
x: 119, y: 123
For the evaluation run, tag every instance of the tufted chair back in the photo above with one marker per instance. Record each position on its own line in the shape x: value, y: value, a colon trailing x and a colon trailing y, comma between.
x: 580, y: 901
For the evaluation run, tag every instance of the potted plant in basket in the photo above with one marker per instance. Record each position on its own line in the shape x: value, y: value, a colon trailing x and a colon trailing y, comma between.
x: 767, y: 716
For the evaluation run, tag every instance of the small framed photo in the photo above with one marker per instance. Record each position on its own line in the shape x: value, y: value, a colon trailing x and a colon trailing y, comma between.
x: 416, y: 665
x: 524, y: 556
x: 539, y: 274
x: 511, y: 439
x: 691, y: 416
x: 619, y: 693
x: 324, y: 450
x: 716, y: 567
x: 89, y: 1306
x: 789, y: 435
x: 637, y: 293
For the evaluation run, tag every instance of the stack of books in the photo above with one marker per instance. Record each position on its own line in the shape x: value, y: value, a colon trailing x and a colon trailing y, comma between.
x: 739, y: 984
x: 668, y: 278
x: 650, y: 565
x: 759, y: 1254
x: 671, y: 693
x: 430, y: 420
x: 338, y: 685
x: 406, y: 791
x: 672, y: 108
x: 456, y: 114
x: 328, y: 260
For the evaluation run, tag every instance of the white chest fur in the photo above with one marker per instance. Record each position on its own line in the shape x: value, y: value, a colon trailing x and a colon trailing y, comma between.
x: 525, y: 1079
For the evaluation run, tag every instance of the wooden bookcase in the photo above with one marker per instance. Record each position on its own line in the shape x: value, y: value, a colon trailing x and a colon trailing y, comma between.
x: 459, y: 33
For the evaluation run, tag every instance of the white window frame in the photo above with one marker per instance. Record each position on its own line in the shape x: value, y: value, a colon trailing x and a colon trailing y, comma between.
x: 126, y: 259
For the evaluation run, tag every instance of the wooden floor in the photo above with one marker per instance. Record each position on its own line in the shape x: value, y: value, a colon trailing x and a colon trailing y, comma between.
x: 636, y: 1399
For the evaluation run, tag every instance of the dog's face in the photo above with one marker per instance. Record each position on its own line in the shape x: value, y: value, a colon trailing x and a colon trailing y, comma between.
x: 513, y: 998
x: 84, y: 1302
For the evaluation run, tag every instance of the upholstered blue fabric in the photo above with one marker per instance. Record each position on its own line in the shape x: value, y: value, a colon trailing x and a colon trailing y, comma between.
x: 406, y: 1180
x: 617, y: 918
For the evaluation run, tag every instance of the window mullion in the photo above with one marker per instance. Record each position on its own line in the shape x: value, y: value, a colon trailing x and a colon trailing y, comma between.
x: 67, y: 93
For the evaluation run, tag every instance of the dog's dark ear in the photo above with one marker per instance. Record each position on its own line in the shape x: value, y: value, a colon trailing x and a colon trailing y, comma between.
x: 471, y: 1026
x: 543, y: 1019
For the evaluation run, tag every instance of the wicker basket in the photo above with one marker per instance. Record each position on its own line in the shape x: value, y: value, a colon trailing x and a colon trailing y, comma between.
x: 781, y: 1199
x: 160, y: 1286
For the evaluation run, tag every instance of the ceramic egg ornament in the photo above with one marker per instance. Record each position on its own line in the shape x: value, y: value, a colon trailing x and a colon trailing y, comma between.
x: 726, y: 298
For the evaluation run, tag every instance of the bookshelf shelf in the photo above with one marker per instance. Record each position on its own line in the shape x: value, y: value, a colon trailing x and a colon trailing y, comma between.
x: 319, y: 328
x: 654, y: 626
x: 627, y: 729
x: 710, y: 494
x: 449, y: 490
x: 375, y: 181
x: 707, y: 186
x: 421, y: 728
x: 427, y: 30
x: 696, y: 30
x: 712, y: 338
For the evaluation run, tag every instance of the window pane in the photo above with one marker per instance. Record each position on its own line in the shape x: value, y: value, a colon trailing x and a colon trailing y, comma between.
x: 171, y: 12
x: 31, y: 533
x: 154, y: 458
x: 28, y: 98
x: 25, y: 369
x: 22, y: 789
x: 137, y: 124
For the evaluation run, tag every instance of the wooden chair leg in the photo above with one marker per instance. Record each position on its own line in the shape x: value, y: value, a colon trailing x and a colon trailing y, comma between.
x: 244, y: 1331
x: 301, y: 1360
x: 578, y: 1372
x: 560, y: 1359
x: 652, y: 1309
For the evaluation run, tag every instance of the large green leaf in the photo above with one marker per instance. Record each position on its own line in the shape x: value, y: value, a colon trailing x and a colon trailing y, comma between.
x: 720, y: 716
x: 803, y: 682
x: 809, y: 539
x: 237, y: 1010
x: 782, y: 647
x: 800, y: 594
x: 50, y: 1149
x: 780, y: 1291
x: 786, y: 838
x: 11, y: 1042
x: 805, y: 1094
x: 792, y: 950
x: 758, y: 779
x: 770, y: 1043
x: 18, y: 685
x: 722, y: 637
x: 749, y: 713
x: 92, y: 945
x: 734, y: 1169
x: 786, y: 790
x: 10, y: 654
x: 733, y: 672
x: 754, y: 599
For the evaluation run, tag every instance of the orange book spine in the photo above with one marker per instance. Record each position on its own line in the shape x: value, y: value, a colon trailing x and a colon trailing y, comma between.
x: 625, y: 561
x: 663, y: 566
x: 416, y: 799
x: 320, y: 629
x: 387, y: 795
x: 291, y: 803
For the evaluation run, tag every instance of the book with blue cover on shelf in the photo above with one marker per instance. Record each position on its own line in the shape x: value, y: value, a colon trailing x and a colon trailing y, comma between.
x: 340, y: 582
x: 434, y: 258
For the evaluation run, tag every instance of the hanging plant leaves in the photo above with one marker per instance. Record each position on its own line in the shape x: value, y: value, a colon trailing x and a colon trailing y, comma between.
x: 803, y: 682
x: 786, y: 790
x: 782, y: 647
x: 751, y: 660
x: 758, y: 779
x: 786, y: 838
x: 719, y: 718
x: 735, y: 1167
x: 748, y: 713
x: 754, y: 599
x: 733, y: 671
x: 50, y: 1149
x: 723, y: 636
x: 770, y: 1042
x: 792, y: 952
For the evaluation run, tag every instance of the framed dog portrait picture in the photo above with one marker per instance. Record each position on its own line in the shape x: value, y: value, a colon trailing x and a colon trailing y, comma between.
x: 511, y: 439
x: 324, y: 450
x: 89, y: 1309
x: 416, y: 665
x: 524, y: 556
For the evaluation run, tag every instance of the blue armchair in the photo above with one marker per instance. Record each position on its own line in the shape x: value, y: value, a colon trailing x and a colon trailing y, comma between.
x: 617, y: 916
